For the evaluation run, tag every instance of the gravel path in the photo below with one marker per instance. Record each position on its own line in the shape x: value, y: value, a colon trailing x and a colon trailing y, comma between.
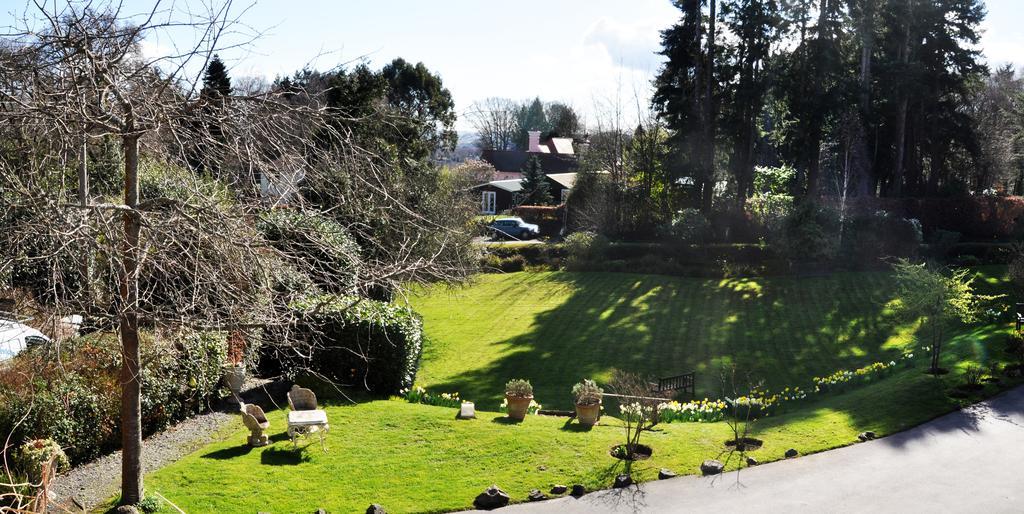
x: 92, y: 483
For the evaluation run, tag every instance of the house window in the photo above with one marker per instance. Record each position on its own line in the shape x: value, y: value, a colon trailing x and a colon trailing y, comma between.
x: 565, y: 195
x: 488, y: 202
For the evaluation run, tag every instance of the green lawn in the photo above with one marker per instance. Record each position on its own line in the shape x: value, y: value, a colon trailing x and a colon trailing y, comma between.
x: 555, y: 328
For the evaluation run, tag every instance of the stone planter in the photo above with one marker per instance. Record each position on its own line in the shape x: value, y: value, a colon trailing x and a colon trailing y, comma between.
x: 234, y: 377
x: 588, y: 415
x: 517, y: 406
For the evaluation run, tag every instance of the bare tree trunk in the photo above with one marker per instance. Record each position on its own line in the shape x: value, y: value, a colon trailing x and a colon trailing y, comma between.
x: 83, y: 201
x: 862, y: 166
x: 901, y: 115
x: 709, y: 113
x: 128, y: 326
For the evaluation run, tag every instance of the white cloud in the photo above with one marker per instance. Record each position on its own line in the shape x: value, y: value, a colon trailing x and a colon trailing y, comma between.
x: 630, y: 45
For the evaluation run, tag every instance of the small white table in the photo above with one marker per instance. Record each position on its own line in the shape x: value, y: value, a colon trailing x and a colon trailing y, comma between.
x: 305, y: 422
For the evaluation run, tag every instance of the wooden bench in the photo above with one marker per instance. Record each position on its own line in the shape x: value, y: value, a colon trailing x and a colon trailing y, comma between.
x: 684, y: 382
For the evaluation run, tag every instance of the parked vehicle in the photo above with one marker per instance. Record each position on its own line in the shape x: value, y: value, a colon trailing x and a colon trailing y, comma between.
x: 16, y: 337
x: 514, y: 227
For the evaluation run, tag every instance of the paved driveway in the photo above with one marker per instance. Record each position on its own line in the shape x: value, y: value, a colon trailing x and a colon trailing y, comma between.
x: 967, y: 461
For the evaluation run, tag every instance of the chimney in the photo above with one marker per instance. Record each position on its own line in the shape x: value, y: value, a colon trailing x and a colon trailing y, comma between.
x: 534, y: 141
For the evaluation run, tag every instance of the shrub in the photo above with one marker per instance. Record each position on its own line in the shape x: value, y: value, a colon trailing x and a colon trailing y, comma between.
x: 810, y: 233
x: 77, y: 403
x: 585, y: 247
x: 356, y: 342
x: 319, y: 246
x: 39, y: 456
x: 511, y: 264
x: 689, y: 226
x: 587, y: 392
x: 769, y: 211
x: 871, y: 238
x: 518, y: 388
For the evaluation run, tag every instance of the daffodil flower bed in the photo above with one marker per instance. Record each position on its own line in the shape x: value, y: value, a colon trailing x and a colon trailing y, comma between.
x: 420, y: 395
x: 700, y: 411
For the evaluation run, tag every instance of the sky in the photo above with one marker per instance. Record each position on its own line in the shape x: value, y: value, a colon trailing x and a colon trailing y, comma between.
x: 586, y: 53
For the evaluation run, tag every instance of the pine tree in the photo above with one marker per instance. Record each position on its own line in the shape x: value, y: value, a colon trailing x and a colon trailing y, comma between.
x: 216, y: 82
x: 535, y: 184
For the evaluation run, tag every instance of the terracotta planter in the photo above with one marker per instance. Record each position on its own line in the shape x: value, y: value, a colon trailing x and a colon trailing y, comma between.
x: 588, y: 414
x: 517, y: 406
x: 234, y: 377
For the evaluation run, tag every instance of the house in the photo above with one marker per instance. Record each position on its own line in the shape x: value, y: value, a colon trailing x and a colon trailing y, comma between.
x: 556, y: 155
x: 502, y: 195
x: 557, y: 159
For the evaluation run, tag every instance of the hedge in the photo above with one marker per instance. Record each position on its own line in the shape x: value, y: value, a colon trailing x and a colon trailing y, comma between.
x: 78, y: 404
x: 976, y: 217
x: 357, y: 342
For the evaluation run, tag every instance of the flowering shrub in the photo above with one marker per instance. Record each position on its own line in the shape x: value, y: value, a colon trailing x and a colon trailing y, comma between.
x: 532, y: 409
x: 420, y: 395
x: 700, y: 411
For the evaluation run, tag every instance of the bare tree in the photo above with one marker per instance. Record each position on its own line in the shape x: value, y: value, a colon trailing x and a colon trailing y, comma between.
x: 179, y: 248
x: 495, y: 122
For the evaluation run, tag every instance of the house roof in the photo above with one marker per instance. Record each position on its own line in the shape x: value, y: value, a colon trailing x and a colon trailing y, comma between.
x: 566, y: 180
x: 512, y: 185
x: 514, y: 160
x: 561, y: 145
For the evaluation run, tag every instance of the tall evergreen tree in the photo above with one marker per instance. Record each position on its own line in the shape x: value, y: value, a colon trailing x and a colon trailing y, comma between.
x: 216, y: 82
x: 681, y: 99
x: 529, y: 118
x: 535, y: 184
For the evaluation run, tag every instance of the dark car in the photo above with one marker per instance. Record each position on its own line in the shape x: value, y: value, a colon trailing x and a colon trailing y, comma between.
x: 514, y: 227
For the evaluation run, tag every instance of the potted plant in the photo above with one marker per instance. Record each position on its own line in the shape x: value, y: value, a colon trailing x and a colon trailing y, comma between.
x: 588, y: 402
x: 518, y: 394
x: 234, y: 369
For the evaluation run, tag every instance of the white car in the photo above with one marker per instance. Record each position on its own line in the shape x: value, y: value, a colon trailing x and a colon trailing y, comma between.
x: 15, y: 337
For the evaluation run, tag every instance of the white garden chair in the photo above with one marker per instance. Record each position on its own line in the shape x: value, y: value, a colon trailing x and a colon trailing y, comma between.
x: 304, y: 418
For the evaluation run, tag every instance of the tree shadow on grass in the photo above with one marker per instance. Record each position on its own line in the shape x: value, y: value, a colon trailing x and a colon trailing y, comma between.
x: 780, y: 330
x: 783, y: 329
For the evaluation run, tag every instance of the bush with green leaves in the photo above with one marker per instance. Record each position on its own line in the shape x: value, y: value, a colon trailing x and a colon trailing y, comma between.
x: 518, y: 388
x: 583, y: 248
x: 316, y: 244
x: 355, y: 342
x: 810, y: 233
x: 690, y: 226
x: 77, y: 404
x: 37, y: 456
x: 873, y: 238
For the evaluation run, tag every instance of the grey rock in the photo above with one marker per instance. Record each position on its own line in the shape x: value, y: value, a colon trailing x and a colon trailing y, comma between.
x: 492, y: 498
x: 711, y: 467
x: 536, y: 496
x: 559, y: 489
x: 751, y: 461
x: 127, y: 509
x: 790, y: 453
x: 578, y: 490
x: 375, y: 509
x: 622, y: 481
x: 666, y: 473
